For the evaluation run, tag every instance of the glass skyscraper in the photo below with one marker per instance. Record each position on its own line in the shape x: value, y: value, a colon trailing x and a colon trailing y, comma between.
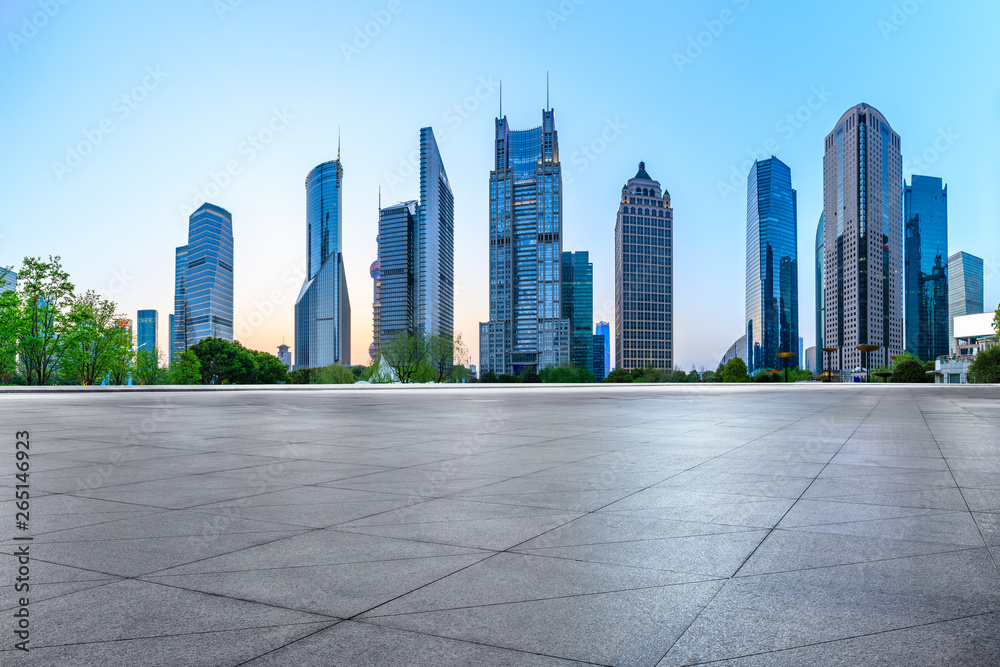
x: 644, y: 315
x: 772, y: 284
x: 203, y: 283
x: 863, y: 247
x: 323, y: 307
x: 435, y: 239
x: 965, y: 290
x: 820, y: 290
x: 526, y: 329
x: 146, y: 321
x: 397, y: 284
x: 578, y: 306
x: 925, y: 267
x: 604, y: 329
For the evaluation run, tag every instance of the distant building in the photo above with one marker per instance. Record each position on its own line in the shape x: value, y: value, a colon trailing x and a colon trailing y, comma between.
x: 820, y: 289
x: 578, y: 306
x: 526, y: 329
x: 772, y: 267
x: 599, y: 343
x: 604, y: 329
x: 203, y: 287
x: 738, y: 350
x: 965, y: 289
x: 644, y: 321
x: 8, y: 282
x: 375, y: 271
x: 170, y: 333
x: 973, y: 333
x: 397, y: 249
x: 284, y: 356
x: 810, y: 360
x: 925, y: 267
x: 148, y: 321
x: 323, y: 307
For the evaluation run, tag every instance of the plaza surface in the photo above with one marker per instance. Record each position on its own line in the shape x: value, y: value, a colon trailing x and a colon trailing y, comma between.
x: 489, y: 525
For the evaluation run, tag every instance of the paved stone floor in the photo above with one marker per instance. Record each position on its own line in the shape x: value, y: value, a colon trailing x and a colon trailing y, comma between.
x: 652, y: 525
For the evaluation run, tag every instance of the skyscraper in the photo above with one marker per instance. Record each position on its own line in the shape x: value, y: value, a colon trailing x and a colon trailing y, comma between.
x: 435, y: 238
x: 965, y: 290
x: 863, y: 249
x: 598, y: 342
x: 375, y: 271
x: 8, y: 282
x: 578, y: 306
x: 147, y: 321
x: 604, y: 329
x: 397, y: 254
x: 323, y: 307
x: 203, y: 287
x: 772, y: 283
x: 170, y: 338
x: 644, y: 320
x: 820, y: 289
x: 284, y: 356
x: 925, y: 267
x: 526, y: 329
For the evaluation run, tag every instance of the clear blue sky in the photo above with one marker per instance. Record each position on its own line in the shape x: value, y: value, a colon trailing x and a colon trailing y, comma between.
x: 200, y: 76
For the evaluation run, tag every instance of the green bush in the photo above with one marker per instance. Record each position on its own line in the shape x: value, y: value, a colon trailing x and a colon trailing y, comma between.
x: 986, y: 367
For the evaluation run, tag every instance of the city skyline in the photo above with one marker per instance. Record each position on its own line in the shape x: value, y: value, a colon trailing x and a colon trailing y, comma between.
x: 294, y: 124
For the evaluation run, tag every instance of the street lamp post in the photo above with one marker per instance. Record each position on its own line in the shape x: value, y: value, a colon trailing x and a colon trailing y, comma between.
x: 867, y: 350
x: 828, y: 351
x: 785, y: 356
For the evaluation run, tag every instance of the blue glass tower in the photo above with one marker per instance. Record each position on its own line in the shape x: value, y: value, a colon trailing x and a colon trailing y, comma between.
x: 578, y: 306
x: 435, y: 243
x: 604, y: 329
x: 146, y: 323
x: 526, y: 329
x: 323, y: 308
x: 772, y: 321
x: 820, y: 290
x: 925, y: 267
x: 965, y: 290
x: 203, y: 287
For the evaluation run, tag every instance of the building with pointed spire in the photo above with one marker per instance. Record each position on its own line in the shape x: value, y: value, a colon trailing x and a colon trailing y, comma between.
x: 644, y: 315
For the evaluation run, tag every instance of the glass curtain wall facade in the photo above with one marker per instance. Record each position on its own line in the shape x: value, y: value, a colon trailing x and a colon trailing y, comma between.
x: 526, y: 330
x: 925, y: 267
x: 397, y: 249
x: 435, y: 239
x: 772, y: 286
x: 578, y: 306
x: 863, y: 248
x: 820, y: 288
x: 644, y: 320
x: 146, y: 323
x: 599, y: 343
x: 203, y: 280
x: 965, y: 290
x: 604, y: 329
x: 323, y: 307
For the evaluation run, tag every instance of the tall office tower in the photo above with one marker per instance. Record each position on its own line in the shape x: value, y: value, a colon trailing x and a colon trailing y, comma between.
x: 965, y: 290
x: 375, y: 271
x: 604, y: 329
x: 863, y: 249
x: 526, y: 329
x: 644, y: 316
x: 170, y: 338
x: 203, y: 287
x: 435, y: 239
x: 578, y: 306
x: 599, y: 343
x: 925, y: 267
x: 397, y: 256
x: 323, y: 307
x: 820, y: 291
x: 146, y: 333
x: 284, y: 356
x: 772, y: 283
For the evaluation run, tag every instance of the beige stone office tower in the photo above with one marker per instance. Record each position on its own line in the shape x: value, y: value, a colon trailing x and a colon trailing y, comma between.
x: 863, y: 215
x: 644, y: 309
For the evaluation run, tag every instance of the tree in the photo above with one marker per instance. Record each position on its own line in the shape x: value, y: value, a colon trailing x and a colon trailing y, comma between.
x: 530, y: 376
x: 362, y: 373
x: 619, y: 375
x: 147, y: 366
x: 985, y: 369
x: 908, y: 371
x: 565, y: 374
x: 269, y: 369
x: 735, y: 370
x: 507, y: 378
x: 11, y: 324
x: 406, y: 354
x: 489, y: 377
x: 441, y: 355
x: 710, y: 376
x: 224, y: 361
x: 187, y: 369
x: 333, y: 375
x: 693, y: 376
x: 996, y: 321
x: 46, y: 294
x: 95, y: 343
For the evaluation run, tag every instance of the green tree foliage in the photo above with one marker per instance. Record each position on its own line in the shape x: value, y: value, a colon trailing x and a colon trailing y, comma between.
x: 406, y: 353
x: 96, y: 344
x: 507, y: 378
x: 362, y: 373
x: 333, y: 375
x: 908, y: 371
x: 444, y: 354
x: 187, y: 369
x: 618, y: 375
x: 147, y: 367
x: 985, y: 369
x: 223, y: 361
x: 735, y: 370
x: 692, y: 376
x: 566, y: 375
x: 996, y: 321
x: 765, y: 377
x: 45, y: 296
x: 710, y: 376
x: 530, y: 377
x: 268, y: 369
x: 489, y: 377
x: 11, y: 323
